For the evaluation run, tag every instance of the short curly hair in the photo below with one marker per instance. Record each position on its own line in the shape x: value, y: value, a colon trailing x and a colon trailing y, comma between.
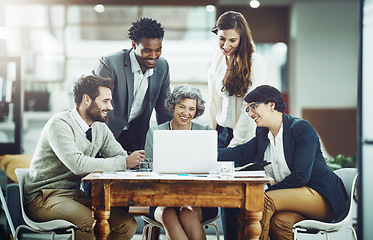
x: 145, y: 28
x: 182, y: 92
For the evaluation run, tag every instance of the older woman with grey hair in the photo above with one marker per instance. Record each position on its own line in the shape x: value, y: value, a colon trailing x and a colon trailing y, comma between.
x: 182, y: 92
x: 186, y: 103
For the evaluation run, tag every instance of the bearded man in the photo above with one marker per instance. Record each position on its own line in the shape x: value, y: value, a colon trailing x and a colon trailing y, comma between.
x: 67, y: 150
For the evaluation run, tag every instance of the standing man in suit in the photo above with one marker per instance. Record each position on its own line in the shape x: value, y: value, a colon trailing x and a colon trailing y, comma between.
x: 142, y: 82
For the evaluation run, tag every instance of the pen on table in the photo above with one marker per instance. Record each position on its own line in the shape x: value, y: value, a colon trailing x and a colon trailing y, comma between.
x: 192, y: 175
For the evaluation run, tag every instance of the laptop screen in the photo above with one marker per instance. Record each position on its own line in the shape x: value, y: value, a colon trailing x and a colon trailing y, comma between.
x: 183, y: 151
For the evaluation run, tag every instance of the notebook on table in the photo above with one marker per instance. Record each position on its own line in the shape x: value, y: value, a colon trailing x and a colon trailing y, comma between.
x: 183, y: 151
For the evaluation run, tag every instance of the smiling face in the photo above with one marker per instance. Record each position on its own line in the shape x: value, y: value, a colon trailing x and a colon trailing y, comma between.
x: 147, y: 52
x: 184, y: 112
x: 260, y: 113
x: 229, y: 41
x: 98, y: 109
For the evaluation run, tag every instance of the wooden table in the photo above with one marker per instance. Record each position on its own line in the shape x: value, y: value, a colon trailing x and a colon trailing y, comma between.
x: 133, y: 189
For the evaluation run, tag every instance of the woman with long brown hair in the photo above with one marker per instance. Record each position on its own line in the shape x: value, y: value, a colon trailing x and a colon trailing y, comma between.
x: 234, y: 71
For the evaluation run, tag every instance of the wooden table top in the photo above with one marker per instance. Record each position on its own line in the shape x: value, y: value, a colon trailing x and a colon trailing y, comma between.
x: 156, y: 177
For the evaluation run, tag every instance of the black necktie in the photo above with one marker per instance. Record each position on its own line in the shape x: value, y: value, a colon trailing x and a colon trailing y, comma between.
x: 88, y: 134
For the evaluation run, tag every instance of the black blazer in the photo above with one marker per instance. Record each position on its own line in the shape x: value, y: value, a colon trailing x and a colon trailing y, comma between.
x: 304, y: 158
x: 117, y: 66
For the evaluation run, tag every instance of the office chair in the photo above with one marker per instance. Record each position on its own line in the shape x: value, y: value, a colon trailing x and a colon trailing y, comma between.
x: 348, y: 176
x: 150, y: 223
x: 53, y: 226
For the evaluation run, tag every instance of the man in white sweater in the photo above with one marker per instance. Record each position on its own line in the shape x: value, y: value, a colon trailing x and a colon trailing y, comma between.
x: 67, y: 150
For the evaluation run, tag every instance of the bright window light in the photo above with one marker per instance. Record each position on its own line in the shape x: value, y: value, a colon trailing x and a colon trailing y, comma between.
x: 4, y: 33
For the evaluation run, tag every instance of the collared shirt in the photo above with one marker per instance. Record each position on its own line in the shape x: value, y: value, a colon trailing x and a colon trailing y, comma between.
x: 79, y: 120
x: 140, y: 86
x: 278, y: 169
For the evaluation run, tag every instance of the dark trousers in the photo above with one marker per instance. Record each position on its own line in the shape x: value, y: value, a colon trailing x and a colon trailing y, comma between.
x: 229, y: 215
x: 134, y: 137
x: 130, y: 140
x: 230, y: 223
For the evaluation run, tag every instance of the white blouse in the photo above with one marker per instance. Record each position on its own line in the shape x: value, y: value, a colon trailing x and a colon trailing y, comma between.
x: 274, y: 153
x: 229, y: 111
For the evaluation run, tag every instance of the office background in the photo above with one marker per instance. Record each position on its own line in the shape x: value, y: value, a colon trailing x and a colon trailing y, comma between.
x: 313, y: 60
x: 312, y: 50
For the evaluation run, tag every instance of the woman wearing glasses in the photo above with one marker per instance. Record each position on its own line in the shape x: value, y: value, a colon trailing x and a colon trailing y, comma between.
x: 235, y: 70
x: 304, y: 188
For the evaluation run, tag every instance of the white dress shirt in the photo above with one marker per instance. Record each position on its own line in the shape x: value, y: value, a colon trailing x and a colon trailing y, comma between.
x: 79, y: 120
x: 278, y: 169
x: 141, y: 82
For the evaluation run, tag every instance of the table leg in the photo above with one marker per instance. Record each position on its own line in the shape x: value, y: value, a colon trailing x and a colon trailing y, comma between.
x: 250, y: 225
x: 101, y: 208
x: 101, y: 228
x: 251, y: 212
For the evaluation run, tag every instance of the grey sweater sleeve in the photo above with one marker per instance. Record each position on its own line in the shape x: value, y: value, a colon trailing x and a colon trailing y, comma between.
x: 78, y: 154
x: 63, y: 155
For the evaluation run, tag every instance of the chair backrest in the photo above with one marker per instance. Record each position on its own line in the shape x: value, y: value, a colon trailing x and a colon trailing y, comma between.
x: 42, y: 226
x: 21, y: 175
x: 348, y: 177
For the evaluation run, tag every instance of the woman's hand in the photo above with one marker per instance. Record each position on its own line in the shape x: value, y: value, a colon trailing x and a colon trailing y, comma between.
x: 135, y: 158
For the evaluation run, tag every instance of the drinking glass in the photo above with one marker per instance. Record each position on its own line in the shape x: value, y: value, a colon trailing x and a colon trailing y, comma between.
x: 226, y: 169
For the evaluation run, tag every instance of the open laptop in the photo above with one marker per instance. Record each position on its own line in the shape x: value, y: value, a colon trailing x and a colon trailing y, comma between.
x: 183, y: 151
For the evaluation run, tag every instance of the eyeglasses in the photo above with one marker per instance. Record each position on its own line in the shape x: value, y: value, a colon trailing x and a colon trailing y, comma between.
x: 253, y: 106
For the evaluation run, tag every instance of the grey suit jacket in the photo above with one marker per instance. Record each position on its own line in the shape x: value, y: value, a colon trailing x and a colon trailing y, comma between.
x: 117, y: 66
